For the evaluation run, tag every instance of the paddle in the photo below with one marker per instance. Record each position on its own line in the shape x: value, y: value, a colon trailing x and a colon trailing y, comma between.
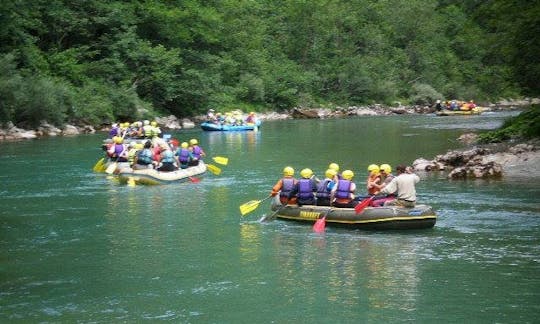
x: 362, y: 205
x: 99, y: 165
x: 221, y: 160
x: 110, y: 169
x: 251, y: 205
x: 214, y: 169
x: 194, y: 180
x: 320, y: 224
x: 273, y: 215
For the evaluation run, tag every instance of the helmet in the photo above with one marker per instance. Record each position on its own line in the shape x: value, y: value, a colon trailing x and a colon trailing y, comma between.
x: 373, y: 168
x: 118, y: 139
x: 146, y: 122
x: 288, y: 171
x: 347, y: 174
x: 330, y: 173
x: 184, y: 145
x: 154, y: 123
x: 334, y: 166
x: 306, y: 173
x: 193, y: 141
x: 386, y: 168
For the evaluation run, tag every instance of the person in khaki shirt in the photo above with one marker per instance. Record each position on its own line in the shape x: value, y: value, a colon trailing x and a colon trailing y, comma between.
x: 403, y: 186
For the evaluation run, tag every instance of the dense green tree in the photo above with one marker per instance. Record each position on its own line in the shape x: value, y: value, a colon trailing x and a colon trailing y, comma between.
x: 97, y: 61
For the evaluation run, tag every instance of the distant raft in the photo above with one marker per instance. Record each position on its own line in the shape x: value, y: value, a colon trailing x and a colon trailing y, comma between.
x: 155, y: 177
x: 207, y: 126
x: 371, y: 218
x: 474, y: 111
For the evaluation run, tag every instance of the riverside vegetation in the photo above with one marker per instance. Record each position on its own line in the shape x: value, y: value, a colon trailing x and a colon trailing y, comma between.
x: 94, y: 62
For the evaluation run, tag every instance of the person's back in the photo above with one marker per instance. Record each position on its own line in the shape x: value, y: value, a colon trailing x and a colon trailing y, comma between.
x: 343, y: 192
x: 284, y: 186
x: 304, y: 189
x: 184, y: 155
x: 404, y: 187
x: 325, y: 187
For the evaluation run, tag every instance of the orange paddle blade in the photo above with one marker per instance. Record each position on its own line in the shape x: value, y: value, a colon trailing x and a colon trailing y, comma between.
x: 319, y: 225
x: 361, y: 206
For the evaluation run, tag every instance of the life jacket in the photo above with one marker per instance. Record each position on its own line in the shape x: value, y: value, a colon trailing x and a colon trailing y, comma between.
x: 287, y: 185
x: 197, y: 150
x: 372, y: 178
x: 305, y: 189
x: 322, y: 189
x: 147, y: 131
x: 183, y: 155
x: 144, y: 157
x: 167, y: 156
x: 343, y: 190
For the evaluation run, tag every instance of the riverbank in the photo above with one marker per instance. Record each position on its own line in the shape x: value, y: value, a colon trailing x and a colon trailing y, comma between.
x: 11, y: 132
x: 508, y: 159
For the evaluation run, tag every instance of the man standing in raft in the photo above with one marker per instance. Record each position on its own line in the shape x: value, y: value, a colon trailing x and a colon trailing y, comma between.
x: 403, y: 185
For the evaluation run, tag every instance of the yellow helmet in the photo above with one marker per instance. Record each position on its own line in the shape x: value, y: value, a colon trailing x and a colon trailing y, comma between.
x: 306, y: 173
x: 373, y: 168
x: 184, y: 145
x: 288, y: 171
x: 334, y: 166
x: 386, y: 168
x: 193, y: 141
x: 330, y: 173
x: 118, y: 139
x: 153, y: 123
x: 347, y: 174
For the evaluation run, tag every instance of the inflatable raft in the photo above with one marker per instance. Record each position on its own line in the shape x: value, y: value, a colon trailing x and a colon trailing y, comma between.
x: 445, y: 112
x: 230, y: 128
x: 371, y: 218
x: 155, y: 177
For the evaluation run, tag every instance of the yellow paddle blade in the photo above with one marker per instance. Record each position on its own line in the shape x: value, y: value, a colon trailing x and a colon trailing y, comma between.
x: 249, y: 206
x: 99, y: 165
x: 214, y: 169
x: 221, y: 160
x: 111, y: 168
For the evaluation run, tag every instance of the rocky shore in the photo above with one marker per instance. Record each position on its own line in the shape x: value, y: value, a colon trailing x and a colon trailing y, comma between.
x: 487, y: 161
x: 11, y: 132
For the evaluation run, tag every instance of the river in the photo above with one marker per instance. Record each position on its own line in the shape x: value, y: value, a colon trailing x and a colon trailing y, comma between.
x: 76, y: 246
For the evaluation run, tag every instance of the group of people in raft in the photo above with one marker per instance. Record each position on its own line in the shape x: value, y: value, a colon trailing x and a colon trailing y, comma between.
x: 155, y: 153
x: 233, y: 118
x: 455, y: 105
x: 338, y: 189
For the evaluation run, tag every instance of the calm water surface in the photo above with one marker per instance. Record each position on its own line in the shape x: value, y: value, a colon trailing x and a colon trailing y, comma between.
x: 78, y: 247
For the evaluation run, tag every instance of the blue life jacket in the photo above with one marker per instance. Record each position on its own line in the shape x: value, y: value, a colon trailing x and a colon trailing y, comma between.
x: 343, y: 189
x: 144, y: 157
x: 183, y: 155
x: 323, y: 190
x: 167, y: 157
x: 305, y: 189
x: 287, y: 187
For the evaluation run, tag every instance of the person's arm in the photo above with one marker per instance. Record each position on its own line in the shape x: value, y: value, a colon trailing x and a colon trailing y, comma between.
x: 276, y: 188
x: 391, y: 187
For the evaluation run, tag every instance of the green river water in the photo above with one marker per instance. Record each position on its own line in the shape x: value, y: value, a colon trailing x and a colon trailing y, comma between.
x: 77, y: 247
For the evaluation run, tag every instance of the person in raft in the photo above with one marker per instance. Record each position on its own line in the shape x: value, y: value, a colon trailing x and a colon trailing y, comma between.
x: 325, y: 187
x: 342, y: 194
x: 386, y: 177
x: 373, y: 180
x: 284, y: 186
x: 305, y: 188
x: 403, y: 186
x: 196, y: 151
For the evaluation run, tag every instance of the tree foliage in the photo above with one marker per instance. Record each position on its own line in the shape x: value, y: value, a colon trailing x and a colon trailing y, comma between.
x: 96, y: 61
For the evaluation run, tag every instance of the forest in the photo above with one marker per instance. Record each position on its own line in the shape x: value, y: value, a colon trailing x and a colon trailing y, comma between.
x: 97, y: 61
